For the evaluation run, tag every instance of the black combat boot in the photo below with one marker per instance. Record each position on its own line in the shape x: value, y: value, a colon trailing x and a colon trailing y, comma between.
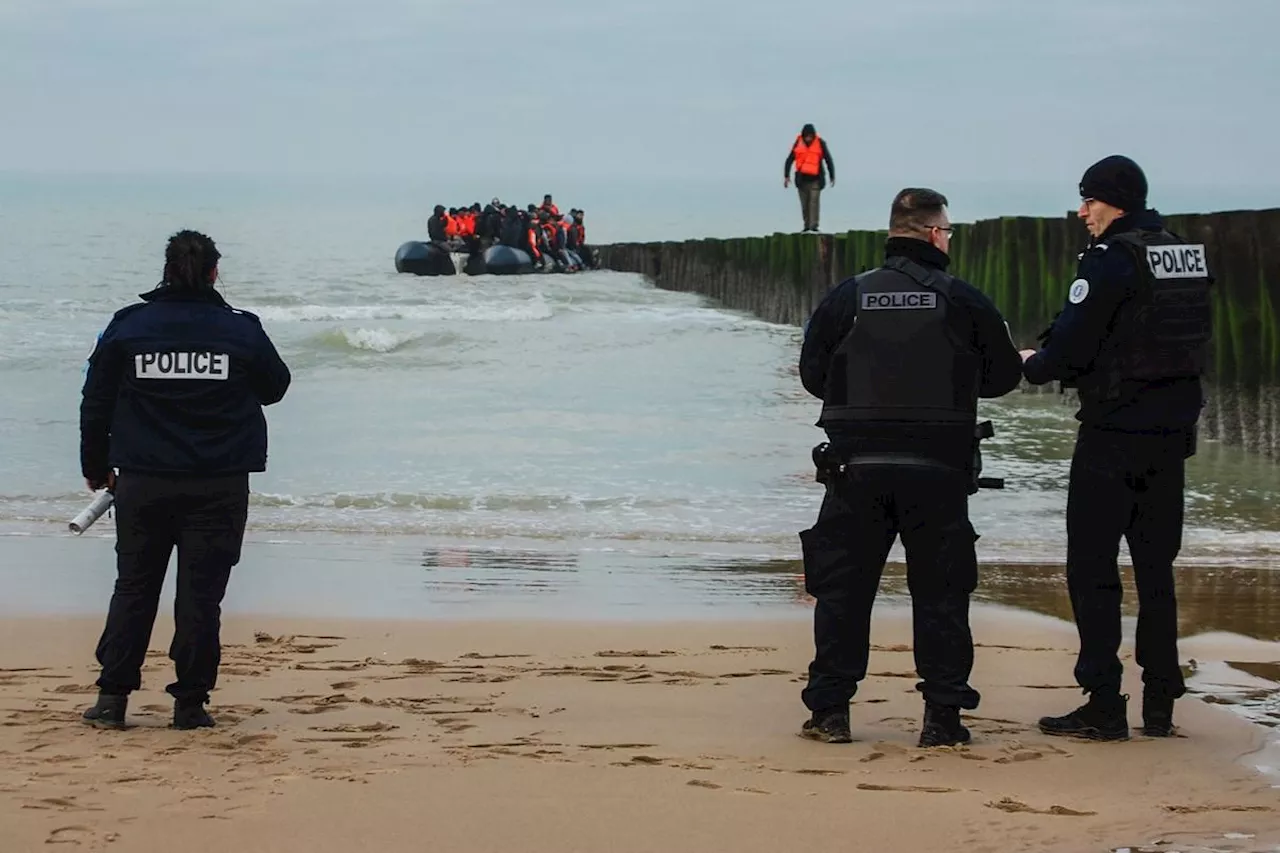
x: 1157, y: 715
x: 191, y: 715
x: 1103, y: 717
x: 108, y: 713
x: 829, y: 726
x: 942, y: 726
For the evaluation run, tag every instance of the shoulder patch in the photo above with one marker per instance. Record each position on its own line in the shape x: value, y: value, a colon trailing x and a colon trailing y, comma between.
x: 1079, y: 290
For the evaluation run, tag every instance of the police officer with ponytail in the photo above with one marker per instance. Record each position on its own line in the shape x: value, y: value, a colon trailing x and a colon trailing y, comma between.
x: 1131, y: 338
x: 171, y: 421
x: 899, y: 356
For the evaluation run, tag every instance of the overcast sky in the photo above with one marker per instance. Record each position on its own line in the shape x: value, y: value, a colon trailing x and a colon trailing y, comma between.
x: 913, y: 91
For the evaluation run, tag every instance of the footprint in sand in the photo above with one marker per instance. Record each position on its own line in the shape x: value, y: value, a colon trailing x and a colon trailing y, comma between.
x: 720, y: 648
x: 913, y: 789
x: 78, y: 835
x: 634, y: 653
x: 355, y: 727
x: 316, y: 703
x: 1016, y: 754
x: 478, y: 656
x: 703, y: 783
x: 335, y: 666
x: 1215, y: 808
x: 74, y: 688
x: 480, y: 678
x: 1008, y: 804
x: 67, y: 804
x: 756, y: 672
x: 237, y: 713
x: 351, y: 741
x: 454, y: 725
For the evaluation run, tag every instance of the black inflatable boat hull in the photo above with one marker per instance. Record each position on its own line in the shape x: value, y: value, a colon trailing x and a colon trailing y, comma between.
x: 504, y: 260
x: 420, y: 258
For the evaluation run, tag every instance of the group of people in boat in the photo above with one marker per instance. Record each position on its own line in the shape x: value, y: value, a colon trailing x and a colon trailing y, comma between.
x: 551, y: 240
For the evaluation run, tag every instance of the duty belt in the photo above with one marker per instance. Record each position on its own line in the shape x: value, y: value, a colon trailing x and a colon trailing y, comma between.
x: 831, y: 464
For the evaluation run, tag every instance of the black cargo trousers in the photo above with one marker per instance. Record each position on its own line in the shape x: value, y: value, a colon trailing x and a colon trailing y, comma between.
x: 1126, y: 485
x: 204, y: 518
x: 844, y: 555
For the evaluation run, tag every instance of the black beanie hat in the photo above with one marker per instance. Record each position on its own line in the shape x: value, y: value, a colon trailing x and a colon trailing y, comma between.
x: 1118, y: 181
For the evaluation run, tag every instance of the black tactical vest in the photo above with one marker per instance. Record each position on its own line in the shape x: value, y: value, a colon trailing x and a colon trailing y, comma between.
x: 1162, y: 332
x: 908, y: 357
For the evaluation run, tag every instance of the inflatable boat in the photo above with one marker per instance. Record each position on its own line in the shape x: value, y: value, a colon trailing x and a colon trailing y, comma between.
x: 421, y: 258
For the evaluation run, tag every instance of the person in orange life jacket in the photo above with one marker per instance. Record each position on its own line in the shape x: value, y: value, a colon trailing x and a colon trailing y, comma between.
x: 812, y: 158
x: 548, y: 233
x: 573, y: 237
x: 531, y: 243
x: 1132, y: 337
x: 579, y: 230
x: 550, y: 206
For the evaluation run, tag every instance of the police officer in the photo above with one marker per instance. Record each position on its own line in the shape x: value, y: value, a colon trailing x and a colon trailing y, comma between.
x: 171, y: 420
x: 1131, y: 337
x: 899, y: 355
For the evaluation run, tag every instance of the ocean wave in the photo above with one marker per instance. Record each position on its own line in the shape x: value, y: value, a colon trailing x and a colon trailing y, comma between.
x: 368, y: 340
x: 462, y: 503
x: 534, y: 309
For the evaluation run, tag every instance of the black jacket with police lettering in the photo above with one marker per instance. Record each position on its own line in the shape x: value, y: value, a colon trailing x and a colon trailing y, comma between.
x: 982, y: 326
x: 176, y: 384
x: 1082, y: 337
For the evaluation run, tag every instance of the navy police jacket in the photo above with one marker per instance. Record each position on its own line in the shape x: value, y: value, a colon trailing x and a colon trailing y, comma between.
x: 1080, y: 337
x: 176, y: 385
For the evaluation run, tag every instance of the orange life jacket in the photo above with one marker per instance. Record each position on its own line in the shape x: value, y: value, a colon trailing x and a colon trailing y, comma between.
x: 551, y: 208
x: 533, y: 244
x: 467, y: 225
x: 450, y: 226
x: 581, y: 231
x: 808, y: 157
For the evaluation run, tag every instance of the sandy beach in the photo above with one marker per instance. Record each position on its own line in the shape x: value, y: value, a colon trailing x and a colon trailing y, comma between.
x: 555, y: 736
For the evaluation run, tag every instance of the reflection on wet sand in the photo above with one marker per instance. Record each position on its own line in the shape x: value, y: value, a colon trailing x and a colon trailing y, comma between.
x: 1243, y: 601
x: 475, y: 570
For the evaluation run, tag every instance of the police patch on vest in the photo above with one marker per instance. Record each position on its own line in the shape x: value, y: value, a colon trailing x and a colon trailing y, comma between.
x: 182, y: 365
x: 1180, y: 261
x: 899, y: 300
x: 1079, y: 290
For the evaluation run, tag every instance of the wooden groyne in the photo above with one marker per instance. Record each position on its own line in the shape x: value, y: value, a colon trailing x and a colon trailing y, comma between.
x: 1025, y: 264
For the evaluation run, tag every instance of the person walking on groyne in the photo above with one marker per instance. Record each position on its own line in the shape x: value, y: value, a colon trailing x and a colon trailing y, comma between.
x: 812, y: 158
x: 1132, y: 337
x: 899, y: 356
x: 173, y: 399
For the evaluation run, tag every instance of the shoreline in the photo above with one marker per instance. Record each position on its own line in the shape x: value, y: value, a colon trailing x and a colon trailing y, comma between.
x: 405, y: 577
x: 505, y: 734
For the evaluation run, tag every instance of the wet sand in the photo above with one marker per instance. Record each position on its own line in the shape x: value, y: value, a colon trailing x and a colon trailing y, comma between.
x: 569, y: 736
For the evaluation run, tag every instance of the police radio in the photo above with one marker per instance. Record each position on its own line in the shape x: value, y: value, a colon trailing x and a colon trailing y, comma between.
x: 92, y: 512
